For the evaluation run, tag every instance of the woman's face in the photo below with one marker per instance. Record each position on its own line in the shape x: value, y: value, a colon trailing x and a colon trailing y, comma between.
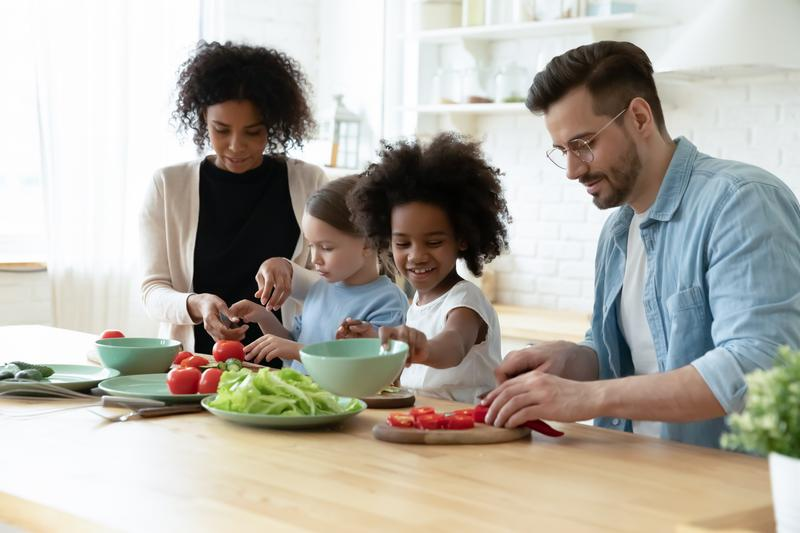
x: 425, y: 248
x: 238, y: 135
x: 336, y: 255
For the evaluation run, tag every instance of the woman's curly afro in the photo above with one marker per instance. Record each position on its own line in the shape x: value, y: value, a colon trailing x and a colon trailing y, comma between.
x: 271, y: 80
x: 451, y: 173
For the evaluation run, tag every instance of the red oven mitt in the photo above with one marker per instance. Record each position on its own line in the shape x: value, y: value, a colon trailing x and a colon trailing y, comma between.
x: 536, y: 425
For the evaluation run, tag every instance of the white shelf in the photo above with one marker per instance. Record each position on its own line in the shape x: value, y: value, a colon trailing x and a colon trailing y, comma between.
x: 472, y: 109
x: 624, y: 21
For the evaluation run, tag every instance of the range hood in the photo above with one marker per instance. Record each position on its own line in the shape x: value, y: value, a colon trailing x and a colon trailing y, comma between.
x: 737, y: 38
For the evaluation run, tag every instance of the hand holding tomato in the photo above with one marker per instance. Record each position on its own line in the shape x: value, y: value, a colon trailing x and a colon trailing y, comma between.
x: 355, y: 329
x: 208, y: 307
x: 224, y: 350
x: 417, y: 342
x: 274, y: 278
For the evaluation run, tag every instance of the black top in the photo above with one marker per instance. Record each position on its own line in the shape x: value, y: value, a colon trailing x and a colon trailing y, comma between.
x: 244, y: 219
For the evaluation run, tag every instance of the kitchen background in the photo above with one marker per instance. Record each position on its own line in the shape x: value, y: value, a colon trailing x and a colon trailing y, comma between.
x: 735, y: 92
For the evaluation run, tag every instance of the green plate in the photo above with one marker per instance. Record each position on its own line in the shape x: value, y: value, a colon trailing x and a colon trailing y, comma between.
x: 284, y: 422
x: 153, y: 386
x: 72, y: 377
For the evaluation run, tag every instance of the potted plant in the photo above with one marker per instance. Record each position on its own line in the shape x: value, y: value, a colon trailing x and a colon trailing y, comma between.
x: 770, y: 425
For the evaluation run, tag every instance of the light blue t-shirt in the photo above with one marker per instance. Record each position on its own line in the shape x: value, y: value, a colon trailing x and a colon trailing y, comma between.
x: 380, y: 302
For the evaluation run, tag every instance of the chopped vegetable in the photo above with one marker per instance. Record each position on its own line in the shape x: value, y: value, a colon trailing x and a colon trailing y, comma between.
x: 285, y: 392
x: 46, y: 371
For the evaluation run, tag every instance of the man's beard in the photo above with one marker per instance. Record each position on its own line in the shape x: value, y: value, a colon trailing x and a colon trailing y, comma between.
x: 624, y: 178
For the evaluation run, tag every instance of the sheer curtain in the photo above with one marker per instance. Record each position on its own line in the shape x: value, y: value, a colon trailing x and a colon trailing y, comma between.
x: 106, y: 72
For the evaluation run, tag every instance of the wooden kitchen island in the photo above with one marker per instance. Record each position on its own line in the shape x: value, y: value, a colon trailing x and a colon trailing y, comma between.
x: 71, y: 471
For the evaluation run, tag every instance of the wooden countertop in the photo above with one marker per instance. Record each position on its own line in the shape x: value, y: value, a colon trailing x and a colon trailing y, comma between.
x: 197, y: 472
x: 535, y: 324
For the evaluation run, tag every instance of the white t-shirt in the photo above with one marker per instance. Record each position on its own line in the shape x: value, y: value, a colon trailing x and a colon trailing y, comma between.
x: 475, y: 374
x: 632, y: 319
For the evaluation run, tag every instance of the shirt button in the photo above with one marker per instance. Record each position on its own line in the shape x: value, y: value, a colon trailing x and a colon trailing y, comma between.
x: 615, y: 422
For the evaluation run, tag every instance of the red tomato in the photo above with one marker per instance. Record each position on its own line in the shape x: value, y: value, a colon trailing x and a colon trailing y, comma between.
x: 460, y: 422
x: 195, y: 361
x: 419, y: 411
x: 464, y: 412
x: 224, y: 350
x: 181, y: 356
x: 183, y: 380
x: 209, y: 381
x: 400, y: 420
x: 430, y: 421
x: 480, y: 413
x: 111, y: 333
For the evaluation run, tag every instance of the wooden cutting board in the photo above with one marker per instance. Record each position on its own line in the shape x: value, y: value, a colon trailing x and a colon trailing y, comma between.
x: 390, y: 400
x: 480, y: 434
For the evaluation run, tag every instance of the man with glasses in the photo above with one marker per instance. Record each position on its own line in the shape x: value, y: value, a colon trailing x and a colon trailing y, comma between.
x: 697, y: 278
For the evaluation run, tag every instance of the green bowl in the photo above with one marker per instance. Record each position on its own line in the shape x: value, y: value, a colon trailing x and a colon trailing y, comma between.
x: 354, y: 367
x: 137, y: 355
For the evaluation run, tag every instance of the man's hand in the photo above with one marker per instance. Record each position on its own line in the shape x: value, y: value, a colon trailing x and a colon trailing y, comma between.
x: 274, y: 278
x: 269, y: 347
x: 560, y: 358
x: 417, y: 342
x: 539, y: 395
x: 207, y: 307
x: 355, y: 329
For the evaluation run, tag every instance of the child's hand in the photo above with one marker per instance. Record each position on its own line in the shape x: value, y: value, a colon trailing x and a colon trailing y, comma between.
x: 246, y: 311
x: 274, y: 278
x: 416, y: 340
x: 355, y: 329
x: 271, y: 346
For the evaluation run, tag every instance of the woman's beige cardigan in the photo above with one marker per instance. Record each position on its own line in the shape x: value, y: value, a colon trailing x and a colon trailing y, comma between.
x: 168, y: 225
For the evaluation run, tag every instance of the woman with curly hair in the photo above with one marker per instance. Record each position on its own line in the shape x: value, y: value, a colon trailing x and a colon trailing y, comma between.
x: 208, y: 226
x: 430, y: 205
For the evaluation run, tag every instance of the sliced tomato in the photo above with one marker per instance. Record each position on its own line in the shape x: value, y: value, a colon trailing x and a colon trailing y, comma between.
x: 194, y: 361
x: 460, y: 422
x: 479, y: 413
x: 418, y: 411
x: 430, y: 421
x: 181, y: 356
x: 400, y: 420
x: 463, y: 412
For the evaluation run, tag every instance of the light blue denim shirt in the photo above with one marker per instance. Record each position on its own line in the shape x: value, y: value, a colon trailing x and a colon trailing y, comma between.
x: 722, y: 286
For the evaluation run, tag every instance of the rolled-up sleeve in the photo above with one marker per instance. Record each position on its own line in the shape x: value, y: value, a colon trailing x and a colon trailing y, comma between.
x: 753, y: 282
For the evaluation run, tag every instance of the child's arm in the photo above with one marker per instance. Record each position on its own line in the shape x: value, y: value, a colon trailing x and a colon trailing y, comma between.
x: 462, y: 330
x: 247, y: 311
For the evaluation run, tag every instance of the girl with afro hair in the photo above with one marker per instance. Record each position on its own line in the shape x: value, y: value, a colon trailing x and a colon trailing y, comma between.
x: 430, y: 205
x: 208, y: 226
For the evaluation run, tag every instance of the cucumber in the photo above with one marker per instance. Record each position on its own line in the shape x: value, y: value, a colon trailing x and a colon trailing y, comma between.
x: 46, y: 371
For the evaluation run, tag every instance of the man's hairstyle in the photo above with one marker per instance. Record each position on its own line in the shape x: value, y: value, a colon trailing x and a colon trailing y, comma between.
x: 614, y: 73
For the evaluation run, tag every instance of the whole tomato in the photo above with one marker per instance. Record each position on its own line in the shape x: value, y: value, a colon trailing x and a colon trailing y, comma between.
x: 209, y: 381
x: 224, y: 350
x: 183, y: 380
x: 111, y: 333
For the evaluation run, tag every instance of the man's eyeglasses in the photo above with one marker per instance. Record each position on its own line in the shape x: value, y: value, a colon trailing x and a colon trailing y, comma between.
x: 580, y: 147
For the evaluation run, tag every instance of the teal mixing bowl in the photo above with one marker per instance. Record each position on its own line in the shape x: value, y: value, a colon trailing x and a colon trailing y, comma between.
x: 354, y: 367
x: 137, y: 355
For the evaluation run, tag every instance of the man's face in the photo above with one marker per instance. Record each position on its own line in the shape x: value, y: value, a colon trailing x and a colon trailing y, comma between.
x: 611, y: 176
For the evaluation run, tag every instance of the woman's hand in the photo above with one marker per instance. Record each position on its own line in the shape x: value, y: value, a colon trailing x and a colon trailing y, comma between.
x: 207, y: 307
x: 417, y: 342
x: 356, y: 329
x: 274, y: 278
x: 271, y: 346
